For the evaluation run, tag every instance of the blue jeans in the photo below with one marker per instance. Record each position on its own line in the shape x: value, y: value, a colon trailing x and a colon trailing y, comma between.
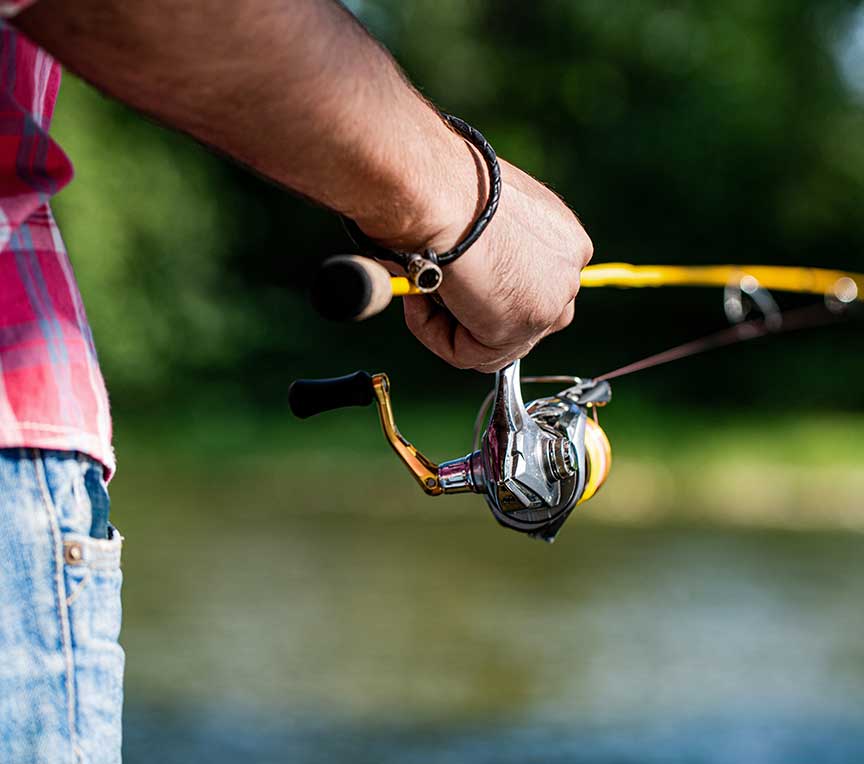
x: 61, y: 667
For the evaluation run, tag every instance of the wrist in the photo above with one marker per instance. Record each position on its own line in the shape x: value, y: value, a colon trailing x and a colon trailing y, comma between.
x: 441, y: 186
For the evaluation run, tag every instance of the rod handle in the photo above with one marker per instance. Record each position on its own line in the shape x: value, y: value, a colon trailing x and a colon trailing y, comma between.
x: 351, y: 288
x: 308, y: 397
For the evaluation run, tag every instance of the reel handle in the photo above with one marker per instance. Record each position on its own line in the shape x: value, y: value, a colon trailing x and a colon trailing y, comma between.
x: 308, y: 397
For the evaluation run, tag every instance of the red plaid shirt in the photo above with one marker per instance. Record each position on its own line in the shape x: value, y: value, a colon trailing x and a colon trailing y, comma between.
x: 51, y: 390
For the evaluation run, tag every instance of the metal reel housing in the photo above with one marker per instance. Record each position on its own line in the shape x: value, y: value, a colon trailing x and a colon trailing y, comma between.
x: 514, y: 503
x: 533, y: 461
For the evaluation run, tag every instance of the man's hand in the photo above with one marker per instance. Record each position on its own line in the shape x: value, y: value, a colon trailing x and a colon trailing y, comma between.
x: 513, y: 287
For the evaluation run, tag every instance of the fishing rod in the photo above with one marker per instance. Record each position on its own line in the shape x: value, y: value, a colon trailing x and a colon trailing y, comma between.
x: 354, y: 287
x: 535, y: 463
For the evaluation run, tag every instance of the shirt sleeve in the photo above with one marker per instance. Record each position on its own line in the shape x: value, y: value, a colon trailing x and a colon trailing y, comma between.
x: 10, y: 8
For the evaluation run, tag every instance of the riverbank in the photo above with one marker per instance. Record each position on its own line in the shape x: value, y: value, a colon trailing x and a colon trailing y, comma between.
x: 804, y: 472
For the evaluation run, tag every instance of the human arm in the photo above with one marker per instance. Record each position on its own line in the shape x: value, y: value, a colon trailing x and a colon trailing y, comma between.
x: 302, y: 94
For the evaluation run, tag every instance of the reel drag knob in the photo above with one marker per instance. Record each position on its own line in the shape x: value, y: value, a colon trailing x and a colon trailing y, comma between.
x: 560, y: 458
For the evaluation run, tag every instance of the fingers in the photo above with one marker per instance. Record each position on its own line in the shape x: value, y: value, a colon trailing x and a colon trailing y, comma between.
x: 503, y: 327
x: 441, y: 333
x: 436, y: 328
x: 565, y: 319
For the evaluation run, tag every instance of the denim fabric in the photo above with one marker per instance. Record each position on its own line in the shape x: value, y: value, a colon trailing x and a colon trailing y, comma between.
x: 61, y: 667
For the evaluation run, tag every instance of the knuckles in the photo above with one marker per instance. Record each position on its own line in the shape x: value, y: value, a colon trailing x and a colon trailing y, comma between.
x: 587, y: 248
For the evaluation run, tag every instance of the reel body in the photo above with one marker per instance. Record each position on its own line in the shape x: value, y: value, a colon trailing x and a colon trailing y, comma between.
x: 534, y: 463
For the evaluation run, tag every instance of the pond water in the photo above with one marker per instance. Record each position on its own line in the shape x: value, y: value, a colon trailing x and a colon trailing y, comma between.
x: 259, y: 633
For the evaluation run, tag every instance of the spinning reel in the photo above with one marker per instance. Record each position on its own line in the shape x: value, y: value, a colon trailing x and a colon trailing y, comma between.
x: 533, y: 463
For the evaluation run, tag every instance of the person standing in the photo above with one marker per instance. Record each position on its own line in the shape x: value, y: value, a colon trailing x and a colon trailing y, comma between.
x: 298, y: 91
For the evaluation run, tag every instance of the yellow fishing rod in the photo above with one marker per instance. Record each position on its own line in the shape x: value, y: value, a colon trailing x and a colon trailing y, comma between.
x: 844, y: 286
x: 351, y: 287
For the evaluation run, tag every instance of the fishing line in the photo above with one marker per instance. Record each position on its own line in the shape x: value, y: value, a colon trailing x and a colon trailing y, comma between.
x: 792, y: 320
x: 808, y: 317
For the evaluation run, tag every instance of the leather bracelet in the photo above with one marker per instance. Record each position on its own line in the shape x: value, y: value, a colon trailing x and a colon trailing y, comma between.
x: 424, y: 268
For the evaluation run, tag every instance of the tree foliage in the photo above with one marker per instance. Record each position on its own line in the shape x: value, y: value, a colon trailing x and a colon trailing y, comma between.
x: 680, y: 132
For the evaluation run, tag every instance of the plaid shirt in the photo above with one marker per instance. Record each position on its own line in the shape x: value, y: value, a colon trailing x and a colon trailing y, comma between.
x: 51, y: 391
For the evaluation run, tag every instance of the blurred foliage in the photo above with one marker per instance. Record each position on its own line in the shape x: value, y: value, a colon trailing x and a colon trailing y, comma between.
x: 680, y: 132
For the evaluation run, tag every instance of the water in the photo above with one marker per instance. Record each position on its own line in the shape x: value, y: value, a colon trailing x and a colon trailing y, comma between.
x: 233, y: 737
x: 406, y: 631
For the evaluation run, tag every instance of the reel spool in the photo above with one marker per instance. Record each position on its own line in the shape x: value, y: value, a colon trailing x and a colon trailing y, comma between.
x: 534, y: 463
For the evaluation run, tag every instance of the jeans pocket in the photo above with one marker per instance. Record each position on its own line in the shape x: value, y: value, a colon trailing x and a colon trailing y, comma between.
x: 93, y: 582
x: 75, y: 490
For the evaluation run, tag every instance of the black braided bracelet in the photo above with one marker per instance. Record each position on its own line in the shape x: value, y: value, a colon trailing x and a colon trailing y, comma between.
x: 423, y: 268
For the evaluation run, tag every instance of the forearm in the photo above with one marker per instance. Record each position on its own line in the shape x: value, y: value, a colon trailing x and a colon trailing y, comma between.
x: 296, y: 90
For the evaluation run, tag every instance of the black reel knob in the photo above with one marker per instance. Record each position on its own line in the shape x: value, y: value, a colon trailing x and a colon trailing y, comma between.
x: 308, y: 397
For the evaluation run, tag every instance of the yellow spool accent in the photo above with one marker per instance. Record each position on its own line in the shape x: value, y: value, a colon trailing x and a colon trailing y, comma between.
x: 782, y: 278
x: 598, y: 454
